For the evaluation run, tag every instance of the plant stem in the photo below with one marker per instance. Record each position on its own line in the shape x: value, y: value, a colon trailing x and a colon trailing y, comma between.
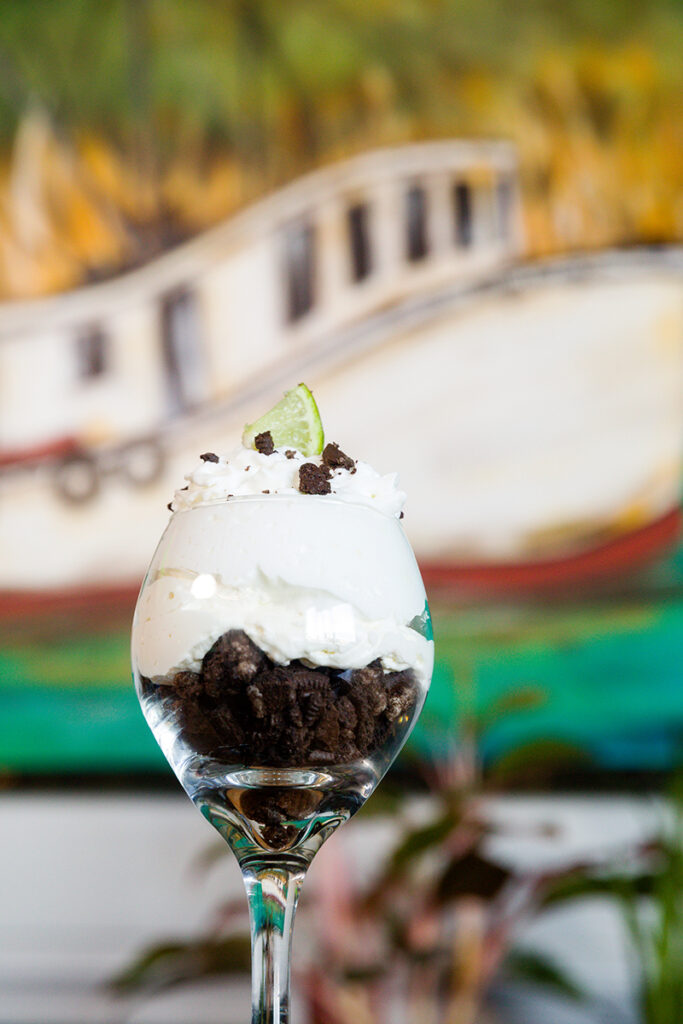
x: 273, y: 886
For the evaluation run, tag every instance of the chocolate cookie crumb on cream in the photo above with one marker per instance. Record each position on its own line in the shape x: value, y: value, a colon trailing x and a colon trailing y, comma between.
x: 314, y: 479
x: 290, y: 453
x: 233, y: 655
x: 209, y: 457
x: 263, y: 443
x: 335, y: 458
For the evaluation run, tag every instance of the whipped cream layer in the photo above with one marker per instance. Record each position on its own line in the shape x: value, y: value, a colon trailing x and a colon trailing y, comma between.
x: 306, y: 577
x: 248, y: 472
x: 287, y: 623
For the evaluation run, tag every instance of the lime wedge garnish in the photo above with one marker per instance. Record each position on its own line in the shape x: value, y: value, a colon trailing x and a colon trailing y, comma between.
x: 294, y: 422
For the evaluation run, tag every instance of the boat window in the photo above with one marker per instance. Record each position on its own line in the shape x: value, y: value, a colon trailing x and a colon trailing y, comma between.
x: 416, y: 223
x: 299, y: 258
x: 462, y: 213
x: 92, y: 353
x: 181, y: 349
x: 358, y: 220
x: 504, y: 195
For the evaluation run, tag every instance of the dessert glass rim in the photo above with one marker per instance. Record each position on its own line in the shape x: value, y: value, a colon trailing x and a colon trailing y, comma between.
x: 325, y: 499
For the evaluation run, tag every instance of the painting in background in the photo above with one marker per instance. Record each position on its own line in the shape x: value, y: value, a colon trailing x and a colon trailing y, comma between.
x: 461, y: 225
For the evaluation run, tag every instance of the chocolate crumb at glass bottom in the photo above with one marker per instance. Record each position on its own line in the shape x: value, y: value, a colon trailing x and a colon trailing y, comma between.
x: 286, y: 745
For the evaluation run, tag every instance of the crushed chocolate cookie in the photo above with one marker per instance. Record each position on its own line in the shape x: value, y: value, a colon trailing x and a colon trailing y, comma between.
x: 185, y: 488
x: 197, y: 724
x: 368, y: 676
x: 265, y: 492
x: 209, y: 457
x: 290, y: 453
x: 264, y: 443
x: 401, y: 514
x: 275, y: 808
x: 233, y: 659
x: 278, y: 806
x: 400, y: 697
x: 188, y: 684
x: 252, y: 711
x: 314, y: 479
x: 335, y: 458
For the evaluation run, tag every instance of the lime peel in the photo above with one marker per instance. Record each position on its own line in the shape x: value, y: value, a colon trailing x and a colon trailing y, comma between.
x: 294, y: 422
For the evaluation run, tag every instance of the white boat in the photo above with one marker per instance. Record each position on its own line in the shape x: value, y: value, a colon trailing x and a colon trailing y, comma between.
x: 536, y: 412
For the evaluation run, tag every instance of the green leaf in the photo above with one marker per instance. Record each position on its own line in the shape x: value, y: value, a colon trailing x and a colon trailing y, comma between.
x: 533, y: 762
x: 421, y: 840
x: 537, y: 969
x: 470, y: 875
x: 416, y: 843
x: 525, y: 698
x: 365, y: 975
x: 581, y: 886
x: 175, y: 963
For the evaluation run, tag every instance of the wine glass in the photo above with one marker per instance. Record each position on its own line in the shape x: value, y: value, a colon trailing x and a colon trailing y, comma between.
x: 282, y: 651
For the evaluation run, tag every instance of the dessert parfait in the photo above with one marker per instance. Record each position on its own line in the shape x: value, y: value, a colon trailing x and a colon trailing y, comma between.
x: 281, y: 642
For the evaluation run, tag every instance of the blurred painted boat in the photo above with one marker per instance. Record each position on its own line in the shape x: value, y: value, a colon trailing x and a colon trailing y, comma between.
x: 536, y: 412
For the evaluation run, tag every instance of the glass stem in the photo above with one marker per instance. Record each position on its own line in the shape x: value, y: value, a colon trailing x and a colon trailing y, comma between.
x: 273, y: 886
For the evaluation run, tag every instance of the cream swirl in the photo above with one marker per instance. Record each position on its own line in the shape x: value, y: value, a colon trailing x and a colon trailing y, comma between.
x: 182, y: 615
x: 248, y: 472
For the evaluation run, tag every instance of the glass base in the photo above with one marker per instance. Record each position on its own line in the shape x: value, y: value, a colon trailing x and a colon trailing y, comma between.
x: 261, y: 811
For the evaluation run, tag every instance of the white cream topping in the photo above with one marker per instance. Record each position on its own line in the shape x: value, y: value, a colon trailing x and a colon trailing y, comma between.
x: 247, y: 471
